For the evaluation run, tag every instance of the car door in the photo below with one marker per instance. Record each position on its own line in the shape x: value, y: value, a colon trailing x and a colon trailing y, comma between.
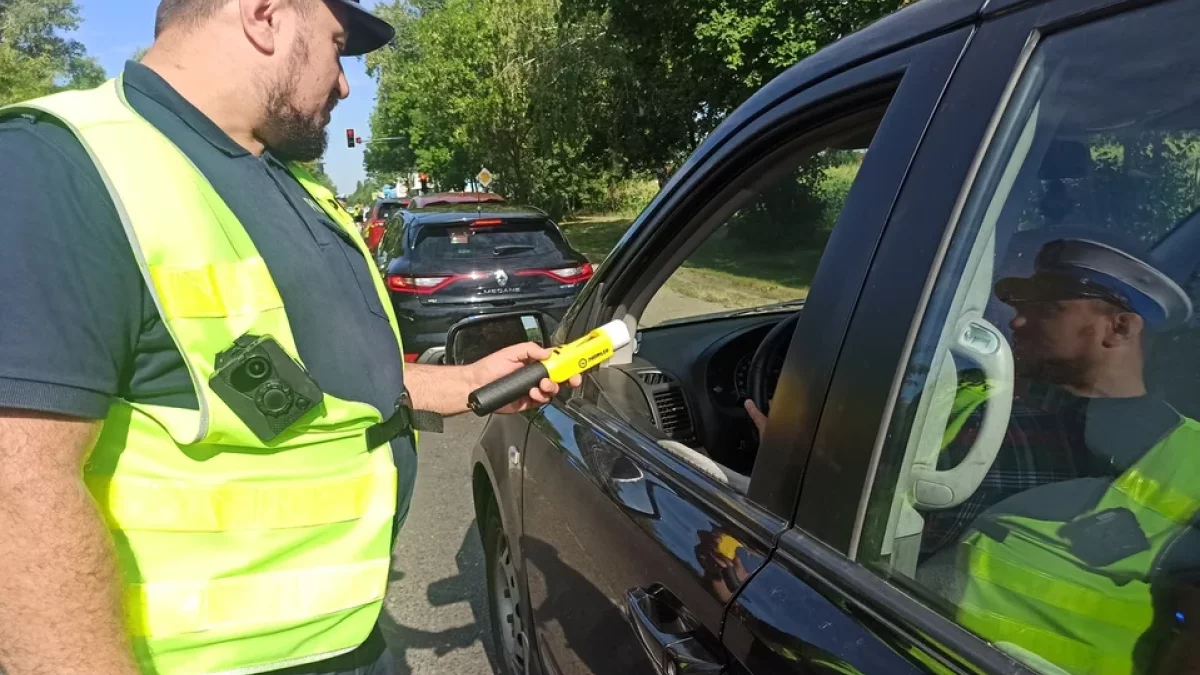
x: 620, y: 527
x: 1030, y: 89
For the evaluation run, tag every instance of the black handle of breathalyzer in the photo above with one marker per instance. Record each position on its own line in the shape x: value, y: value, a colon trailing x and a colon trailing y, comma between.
x: 491, y: 397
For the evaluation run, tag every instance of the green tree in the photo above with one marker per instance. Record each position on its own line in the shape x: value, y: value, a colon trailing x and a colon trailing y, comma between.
x: 563, y: 99
x: 494, y: 83
x: 681, y: 66
x: 365, y: 190
x: 35, y: 57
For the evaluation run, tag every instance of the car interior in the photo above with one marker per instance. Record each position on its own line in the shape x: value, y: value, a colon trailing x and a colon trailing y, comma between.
x: 684, y: 379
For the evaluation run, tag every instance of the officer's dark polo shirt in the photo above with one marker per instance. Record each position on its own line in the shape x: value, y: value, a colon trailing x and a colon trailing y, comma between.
x: 77, y: 325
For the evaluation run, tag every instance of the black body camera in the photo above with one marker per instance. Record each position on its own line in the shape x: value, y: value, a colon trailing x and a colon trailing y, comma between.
x: 266, y: 388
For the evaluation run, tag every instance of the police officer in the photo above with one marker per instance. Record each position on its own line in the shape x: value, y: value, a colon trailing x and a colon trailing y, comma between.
x: 1065, y: 575
x: 206, y: 428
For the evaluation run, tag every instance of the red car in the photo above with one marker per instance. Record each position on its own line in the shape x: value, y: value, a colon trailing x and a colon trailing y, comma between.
x: 378, y: 216
x: 446, y: 198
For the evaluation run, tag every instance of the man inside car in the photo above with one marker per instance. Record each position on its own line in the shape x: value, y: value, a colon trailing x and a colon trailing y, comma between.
x: 1080, y: 334
x: 1099, y: 553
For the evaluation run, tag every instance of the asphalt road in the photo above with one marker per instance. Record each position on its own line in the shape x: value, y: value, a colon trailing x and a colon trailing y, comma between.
x: 436, y: 613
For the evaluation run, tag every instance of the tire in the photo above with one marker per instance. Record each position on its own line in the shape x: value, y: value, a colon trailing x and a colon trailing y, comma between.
x: 506, y: 599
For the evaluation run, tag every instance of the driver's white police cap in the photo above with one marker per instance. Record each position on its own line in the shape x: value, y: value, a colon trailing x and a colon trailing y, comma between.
x: 1084, y: 268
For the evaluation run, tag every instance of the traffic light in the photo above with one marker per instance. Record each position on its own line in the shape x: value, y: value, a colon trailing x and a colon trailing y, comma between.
x: 351, y: 138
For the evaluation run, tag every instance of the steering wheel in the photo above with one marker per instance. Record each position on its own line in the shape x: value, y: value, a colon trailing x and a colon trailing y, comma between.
x: 758, y: 379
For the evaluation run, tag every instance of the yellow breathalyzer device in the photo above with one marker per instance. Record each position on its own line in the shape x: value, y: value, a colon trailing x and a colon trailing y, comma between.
x: 564, y: 362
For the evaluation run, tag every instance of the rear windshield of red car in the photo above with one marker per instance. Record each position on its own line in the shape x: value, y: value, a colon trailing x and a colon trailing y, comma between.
x: 387, y: 210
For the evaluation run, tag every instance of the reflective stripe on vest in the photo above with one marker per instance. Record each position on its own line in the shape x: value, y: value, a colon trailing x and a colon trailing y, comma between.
x: 1030, y: 590
x: 237, y: 556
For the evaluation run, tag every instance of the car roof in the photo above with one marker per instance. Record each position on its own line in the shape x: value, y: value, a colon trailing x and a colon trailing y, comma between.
x: 453, y: 214
x: 457, y: 198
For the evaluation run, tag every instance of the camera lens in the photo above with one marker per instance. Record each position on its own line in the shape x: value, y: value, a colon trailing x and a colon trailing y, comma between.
x: 257, y: 368
x: 251, y: 374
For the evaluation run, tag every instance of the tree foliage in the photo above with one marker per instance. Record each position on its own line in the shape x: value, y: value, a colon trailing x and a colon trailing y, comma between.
x: 35, y: 57
x: 562, y: 99
x: 365, y: 190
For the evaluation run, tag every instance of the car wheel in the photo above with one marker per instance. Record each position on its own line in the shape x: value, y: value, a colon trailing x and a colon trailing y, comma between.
x: 505, y: 600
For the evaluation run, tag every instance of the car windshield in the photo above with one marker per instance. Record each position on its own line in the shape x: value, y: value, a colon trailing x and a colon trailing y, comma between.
x: 497, y: 241
x: 388, y: 209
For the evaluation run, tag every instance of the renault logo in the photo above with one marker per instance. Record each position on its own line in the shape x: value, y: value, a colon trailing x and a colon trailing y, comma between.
x: 502, y: 277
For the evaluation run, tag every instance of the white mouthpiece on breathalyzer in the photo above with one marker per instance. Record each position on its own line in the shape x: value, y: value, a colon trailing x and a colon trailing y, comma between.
x: 618, y: 332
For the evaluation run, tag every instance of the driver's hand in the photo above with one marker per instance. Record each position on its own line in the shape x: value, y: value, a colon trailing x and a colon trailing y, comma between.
x: 756, y: 416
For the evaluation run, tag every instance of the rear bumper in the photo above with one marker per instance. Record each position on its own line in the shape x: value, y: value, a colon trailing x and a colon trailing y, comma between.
x: 423, y: 327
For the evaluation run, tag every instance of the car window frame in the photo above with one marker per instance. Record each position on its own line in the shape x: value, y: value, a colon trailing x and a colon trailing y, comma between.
x: 908, y: 75
x: 892, y: 312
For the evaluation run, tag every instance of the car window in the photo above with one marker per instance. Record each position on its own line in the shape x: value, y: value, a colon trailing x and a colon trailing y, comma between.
x: 1041, y: 472
x: 393, y: 239
x: 767, y: 251
x: 486, y: 243
x: 386, y: 210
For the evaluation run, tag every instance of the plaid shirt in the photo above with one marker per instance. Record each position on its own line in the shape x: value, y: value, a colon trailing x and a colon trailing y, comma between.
x: 1044, y: 444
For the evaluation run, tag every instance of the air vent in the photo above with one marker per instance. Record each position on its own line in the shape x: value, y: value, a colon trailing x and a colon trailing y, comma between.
x: 674, y: 419
x: 652, y: 377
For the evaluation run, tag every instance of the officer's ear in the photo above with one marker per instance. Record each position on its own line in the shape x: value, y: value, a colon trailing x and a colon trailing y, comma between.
x: 261, y: 22
x: 1125, y: 328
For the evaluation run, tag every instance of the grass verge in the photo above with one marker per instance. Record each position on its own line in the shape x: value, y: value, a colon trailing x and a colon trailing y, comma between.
x: 721, y: 271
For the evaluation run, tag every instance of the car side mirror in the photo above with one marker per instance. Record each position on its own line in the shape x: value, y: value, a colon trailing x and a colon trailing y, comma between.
x: 475, y: 337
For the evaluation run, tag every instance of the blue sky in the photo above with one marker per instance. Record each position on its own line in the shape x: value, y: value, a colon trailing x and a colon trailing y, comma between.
x: 114, y: 29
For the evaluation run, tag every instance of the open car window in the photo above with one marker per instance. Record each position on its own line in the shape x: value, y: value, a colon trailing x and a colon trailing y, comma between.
x: 1040, y: 476
x: 764, y: 255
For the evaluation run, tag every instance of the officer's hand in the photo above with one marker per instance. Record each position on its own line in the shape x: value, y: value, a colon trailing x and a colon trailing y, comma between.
x: 756, y: 416
x: 510, y: 359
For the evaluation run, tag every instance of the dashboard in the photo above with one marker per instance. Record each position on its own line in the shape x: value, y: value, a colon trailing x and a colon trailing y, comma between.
x: 728, y: 373
x: 708, y: 362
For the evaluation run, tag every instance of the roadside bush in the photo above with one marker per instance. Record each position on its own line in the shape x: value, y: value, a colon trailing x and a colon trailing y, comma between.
x: 628, y: 197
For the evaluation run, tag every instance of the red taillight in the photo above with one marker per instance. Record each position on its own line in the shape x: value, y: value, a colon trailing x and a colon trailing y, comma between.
x: 411, y: 358
x: 487, y: 222
x: 566, y: 275
x: 418, y: 285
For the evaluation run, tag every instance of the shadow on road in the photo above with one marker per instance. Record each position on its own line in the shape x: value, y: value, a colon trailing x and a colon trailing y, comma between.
x: 466, y: 586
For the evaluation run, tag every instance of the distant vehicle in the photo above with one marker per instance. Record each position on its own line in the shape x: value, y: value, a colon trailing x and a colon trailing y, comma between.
x: 378, y: 216
x: 447, y: 198
x: 444, y: 263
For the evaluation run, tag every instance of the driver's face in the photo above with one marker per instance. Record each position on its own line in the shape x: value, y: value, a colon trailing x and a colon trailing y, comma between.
x: 1056, y: 335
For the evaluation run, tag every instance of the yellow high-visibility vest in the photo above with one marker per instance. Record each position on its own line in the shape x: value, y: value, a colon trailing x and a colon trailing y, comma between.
x: 1028, y: 591
x: 236, y: 556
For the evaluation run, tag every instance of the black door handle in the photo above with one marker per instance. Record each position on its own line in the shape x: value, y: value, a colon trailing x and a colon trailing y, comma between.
x: 668, y: 635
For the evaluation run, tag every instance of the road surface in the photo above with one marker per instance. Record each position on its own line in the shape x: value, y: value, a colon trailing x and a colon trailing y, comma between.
x: 669, y: 304
x: 435, y: 617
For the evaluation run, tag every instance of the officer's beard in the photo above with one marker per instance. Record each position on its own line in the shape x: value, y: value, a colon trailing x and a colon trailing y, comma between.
x: 291, y: 134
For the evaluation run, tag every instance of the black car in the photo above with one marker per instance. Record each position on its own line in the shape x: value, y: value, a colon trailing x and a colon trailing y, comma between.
x: 446, y: 262
x: 923, y: 411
